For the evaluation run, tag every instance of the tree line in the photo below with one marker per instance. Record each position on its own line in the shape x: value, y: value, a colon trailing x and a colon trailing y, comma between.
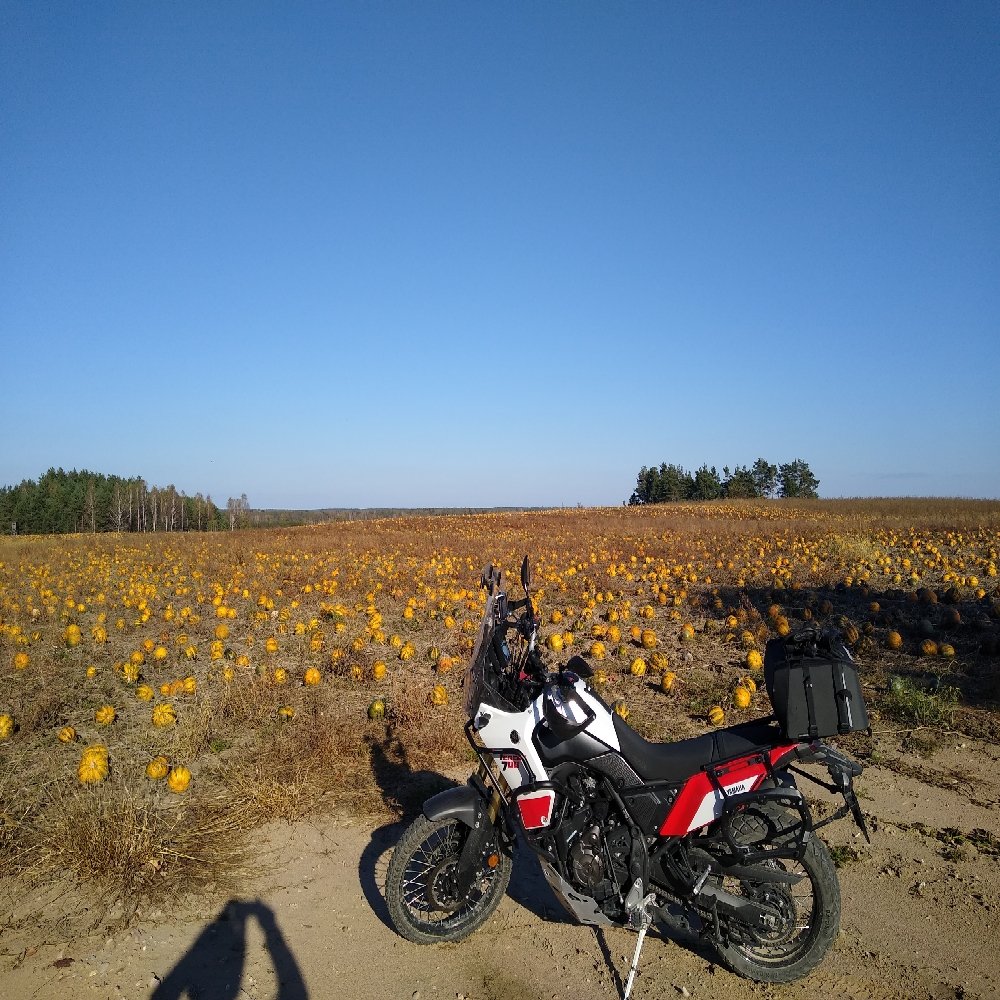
x: 61, y: 502
x: 671, y: 483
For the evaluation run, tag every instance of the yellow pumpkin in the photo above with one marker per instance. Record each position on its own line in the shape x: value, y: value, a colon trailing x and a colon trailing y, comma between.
x: 687, y: 632
x: 620, y: 708
x: 754, y: 660
x: 21, y: 660
x: 667, y: 681
x: 637, y: 667
x: 157, y: 768
x: 164, y: 715
x: 929, y: 647
x: 894, y: 640
x: 439, y: 695
x: 105, y: 715
x: 555, y: 642
x: 379, y: 670
x: 286, y: 712
x: 598, y: 650
x: 178, y: 779
x: 716, y: 716
x: 67, y: 734
x: 376, y: 710
x: 647, y: 638
x: 93, y: 767
x: 312, y: 676
x: 6, y: 727
x: 144, y: 692
x: 741, y: 697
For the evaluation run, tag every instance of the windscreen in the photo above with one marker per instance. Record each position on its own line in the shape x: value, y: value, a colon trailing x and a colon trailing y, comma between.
x: 475, y: 682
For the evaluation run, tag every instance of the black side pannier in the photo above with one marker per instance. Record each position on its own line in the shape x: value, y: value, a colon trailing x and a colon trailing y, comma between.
x: 814, y: 686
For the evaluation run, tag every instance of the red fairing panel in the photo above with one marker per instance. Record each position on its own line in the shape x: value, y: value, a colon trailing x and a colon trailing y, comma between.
x: 536, y: 809
x: 699, y: 802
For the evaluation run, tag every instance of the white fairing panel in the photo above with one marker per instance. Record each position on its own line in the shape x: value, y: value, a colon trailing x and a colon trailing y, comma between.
x: 512, y: 731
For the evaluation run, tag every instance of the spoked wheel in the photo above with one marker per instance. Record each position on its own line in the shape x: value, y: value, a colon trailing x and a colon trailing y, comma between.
x: 805, y: 914
x: 420, y: 887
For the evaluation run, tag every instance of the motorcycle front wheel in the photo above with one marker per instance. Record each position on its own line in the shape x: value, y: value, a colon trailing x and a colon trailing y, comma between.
x: 808, y: 910
x: 420, y: 884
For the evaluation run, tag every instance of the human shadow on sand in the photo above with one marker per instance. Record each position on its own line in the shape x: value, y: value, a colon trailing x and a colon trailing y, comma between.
x: 212, y: 968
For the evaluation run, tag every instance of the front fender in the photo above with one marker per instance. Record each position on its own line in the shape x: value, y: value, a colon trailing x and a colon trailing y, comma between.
x: 464, y: 803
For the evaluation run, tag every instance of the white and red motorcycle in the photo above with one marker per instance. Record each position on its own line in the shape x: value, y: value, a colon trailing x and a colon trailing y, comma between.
x: 709, y: 833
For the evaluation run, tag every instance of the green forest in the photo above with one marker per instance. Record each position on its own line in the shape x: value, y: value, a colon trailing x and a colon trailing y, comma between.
x: 672, y: 483
x: 61, y: 502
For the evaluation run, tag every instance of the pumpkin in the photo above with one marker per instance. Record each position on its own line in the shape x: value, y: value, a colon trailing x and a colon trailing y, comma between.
x: 286, y: 712
x: 439, y: 695
x: 379, y: 669
x: 105, y: 715
x: 749, y: 683
x: 555, y: 642
x: 157, y: 768
x: 376, y: 710
x: 93, y: 767
x: 637, y: 667
x: 667, y: 681
x: 21, y: 660
x: 947, y: 649
x: 178, y: 779
x: 72, y: 635
x: 164, y: 715
x: 716, y: 716
x: 894, y: 640
x: 647, y: 638
x: 444, y: 664
x: 189, y: 685
x: 599, y: 677
x: 620, y: 708
x: 144, y: 692
x: 598, y: 650
x: 929, y: 647
x: 6, y: 727
x: 407, y: 651
x: 687, y: 632
x: 67, y: 734
x: 741, y: 697
x: 754, y: 660
x: 312, y: 676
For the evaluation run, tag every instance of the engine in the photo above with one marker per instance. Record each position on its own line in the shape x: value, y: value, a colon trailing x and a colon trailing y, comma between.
x: 597, y: 845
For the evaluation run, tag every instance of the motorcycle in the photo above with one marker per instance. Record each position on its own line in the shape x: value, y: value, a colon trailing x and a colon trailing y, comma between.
x: 709, y: 834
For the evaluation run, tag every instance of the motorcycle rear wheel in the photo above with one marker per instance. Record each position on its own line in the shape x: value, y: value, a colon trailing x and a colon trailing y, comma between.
x: 419, y: 887
x: 810, y: 908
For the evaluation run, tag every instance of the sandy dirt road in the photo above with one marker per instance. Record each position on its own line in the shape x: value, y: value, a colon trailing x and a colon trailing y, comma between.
x: 921, y: 919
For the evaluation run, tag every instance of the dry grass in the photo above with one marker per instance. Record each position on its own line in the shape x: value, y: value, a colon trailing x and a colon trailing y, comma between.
x: 341, y: 597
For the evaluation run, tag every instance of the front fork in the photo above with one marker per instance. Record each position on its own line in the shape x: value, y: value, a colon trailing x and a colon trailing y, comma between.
x: 476, y: 805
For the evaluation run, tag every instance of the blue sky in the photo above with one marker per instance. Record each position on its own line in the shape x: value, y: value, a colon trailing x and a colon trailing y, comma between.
x: 480, y: 254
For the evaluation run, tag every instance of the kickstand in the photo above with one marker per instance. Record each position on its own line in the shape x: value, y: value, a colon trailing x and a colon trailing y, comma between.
x: 644, y: 921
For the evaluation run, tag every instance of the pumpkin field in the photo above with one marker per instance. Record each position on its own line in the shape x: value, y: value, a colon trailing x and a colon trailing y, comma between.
x: 162, y: 695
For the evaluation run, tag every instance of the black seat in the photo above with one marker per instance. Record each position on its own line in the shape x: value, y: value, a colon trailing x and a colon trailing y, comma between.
x: 678, y: 761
